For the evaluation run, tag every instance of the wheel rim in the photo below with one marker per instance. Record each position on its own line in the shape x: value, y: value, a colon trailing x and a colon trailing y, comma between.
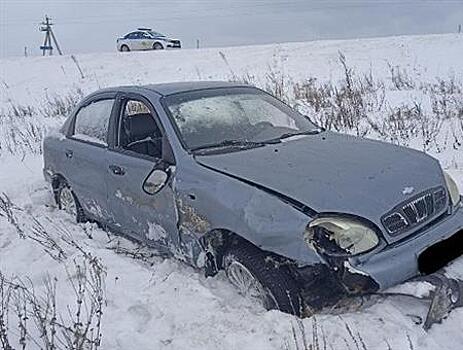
x: 246, y: 283
x: 67, y: 201
x: 125, y: 48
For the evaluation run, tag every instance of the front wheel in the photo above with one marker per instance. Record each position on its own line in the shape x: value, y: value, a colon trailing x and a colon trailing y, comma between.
x: 256, y: 275
x: 125, y: 48
x: 158, y: 46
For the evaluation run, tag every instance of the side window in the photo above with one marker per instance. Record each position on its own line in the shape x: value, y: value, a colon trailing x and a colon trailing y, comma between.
x: 132, y: 35
x: 92, y: 122
x: 138, y: 131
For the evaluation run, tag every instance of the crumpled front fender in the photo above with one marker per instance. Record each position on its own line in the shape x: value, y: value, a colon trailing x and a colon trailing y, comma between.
x: 209, y: 200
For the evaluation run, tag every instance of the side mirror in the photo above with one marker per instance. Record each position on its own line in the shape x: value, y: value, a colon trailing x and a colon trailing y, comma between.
x: 155, y: 181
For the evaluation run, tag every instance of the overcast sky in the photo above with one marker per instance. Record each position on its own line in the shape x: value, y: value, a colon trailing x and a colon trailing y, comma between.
x: 93, y: 25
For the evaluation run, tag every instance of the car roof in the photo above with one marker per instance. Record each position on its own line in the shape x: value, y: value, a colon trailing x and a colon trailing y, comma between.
x: 175, y: 88
x: 166, y: 89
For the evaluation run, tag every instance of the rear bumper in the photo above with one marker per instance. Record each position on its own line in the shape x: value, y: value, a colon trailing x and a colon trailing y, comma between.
x: 399, y: 262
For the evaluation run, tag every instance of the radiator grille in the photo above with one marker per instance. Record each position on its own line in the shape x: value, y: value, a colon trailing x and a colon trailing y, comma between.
x: 418, y: 210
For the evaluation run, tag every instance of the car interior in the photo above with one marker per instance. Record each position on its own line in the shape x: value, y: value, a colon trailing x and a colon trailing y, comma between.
x: 139, y: 132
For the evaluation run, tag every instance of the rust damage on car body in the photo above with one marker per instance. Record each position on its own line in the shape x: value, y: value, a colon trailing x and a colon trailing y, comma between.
x: 190, y: 220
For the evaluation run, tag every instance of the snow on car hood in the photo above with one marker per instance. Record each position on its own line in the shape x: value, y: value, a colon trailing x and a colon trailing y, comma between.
x: 332, y: 172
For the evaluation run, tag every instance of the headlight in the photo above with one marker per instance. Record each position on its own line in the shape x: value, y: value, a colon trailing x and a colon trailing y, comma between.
x: 453, y: 189
x: 337, y: 236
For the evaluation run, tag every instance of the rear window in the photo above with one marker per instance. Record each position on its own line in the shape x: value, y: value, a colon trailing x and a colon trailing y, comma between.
x: 92, y: 122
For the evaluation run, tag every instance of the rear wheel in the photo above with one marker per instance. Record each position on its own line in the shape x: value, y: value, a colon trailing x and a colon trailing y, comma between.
x: 125, y: 48
x: 68, y: 202
x: 257, y: 276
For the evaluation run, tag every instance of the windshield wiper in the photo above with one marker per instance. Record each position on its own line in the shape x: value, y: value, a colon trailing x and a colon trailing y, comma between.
x: 251, y: 144
x: 229, y: 143
x: 291, y: 134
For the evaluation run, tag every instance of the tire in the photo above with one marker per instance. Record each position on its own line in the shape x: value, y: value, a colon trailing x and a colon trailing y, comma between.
x: 125, y: 48
x: 158, y: 46
x: 278, y: 290
x: 67, y: 201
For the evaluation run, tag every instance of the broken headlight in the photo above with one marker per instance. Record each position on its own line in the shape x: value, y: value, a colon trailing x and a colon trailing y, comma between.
x: 452, y: 188
x: 338, y: 236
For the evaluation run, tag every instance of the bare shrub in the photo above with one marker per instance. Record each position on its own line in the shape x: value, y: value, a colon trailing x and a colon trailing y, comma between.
x: 400, y: 78
x: 5, y: 294
x: 61, y: 106
x: 342, y: 107
x: 278, y: 84
x: 84, y: 332
x: 20, y: 135
x: 30, y: 227
x: 360, y: 104
x: 400, y: 125
x: 7, y: 210
x: 299, y: 339
x: 430, y: 127
x: 79, y: 329
x: 23, y: 128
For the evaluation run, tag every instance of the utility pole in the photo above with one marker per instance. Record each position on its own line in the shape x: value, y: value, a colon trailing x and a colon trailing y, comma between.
x: 49, y: 36
x: 459, y: 29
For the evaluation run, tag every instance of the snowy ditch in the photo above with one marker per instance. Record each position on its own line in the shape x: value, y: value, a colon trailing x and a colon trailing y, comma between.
x: 148, y: 302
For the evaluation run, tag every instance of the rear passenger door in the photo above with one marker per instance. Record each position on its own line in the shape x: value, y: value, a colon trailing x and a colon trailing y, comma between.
x: 85, y: 150
x: 136, y: 41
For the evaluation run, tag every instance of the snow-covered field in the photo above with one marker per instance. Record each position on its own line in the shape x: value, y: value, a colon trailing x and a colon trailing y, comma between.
x: 153, y: 303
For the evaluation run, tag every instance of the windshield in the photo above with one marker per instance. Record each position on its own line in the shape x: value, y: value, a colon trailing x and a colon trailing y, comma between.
x: 219, y: 116
x: 155, y: 34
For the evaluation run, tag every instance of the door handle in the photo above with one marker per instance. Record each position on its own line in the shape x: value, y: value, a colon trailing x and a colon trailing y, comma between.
x: 69, y: 153
x: 117, y: 170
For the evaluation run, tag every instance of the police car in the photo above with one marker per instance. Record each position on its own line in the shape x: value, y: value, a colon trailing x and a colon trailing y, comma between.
x: 146, y: 39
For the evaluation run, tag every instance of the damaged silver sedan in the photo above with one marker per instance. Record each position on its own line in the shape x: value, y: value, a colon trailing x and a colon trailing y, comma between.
x: 225, y: 176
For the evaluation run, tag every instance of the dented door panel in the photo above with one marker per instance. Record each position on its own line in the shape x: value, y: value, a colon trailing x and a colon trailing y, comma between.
x: 148, y: 218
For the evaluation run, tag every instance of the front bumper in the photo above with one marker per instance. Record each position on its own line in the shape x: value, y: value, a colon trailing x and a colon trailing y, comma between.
x: 398, y: 262
x: 174, y: 44
x: 325, y: 284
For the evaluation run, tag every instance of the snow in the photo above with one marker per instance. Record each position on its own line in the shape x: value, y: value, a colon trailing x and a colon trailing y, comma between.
x: 156, y: 232
x: 157, y: 303
x: 418, y: 289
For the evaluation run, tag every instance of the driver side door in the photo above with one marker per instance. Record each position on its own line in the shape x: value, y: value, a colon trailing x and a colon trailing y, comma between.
x: 147, y: 216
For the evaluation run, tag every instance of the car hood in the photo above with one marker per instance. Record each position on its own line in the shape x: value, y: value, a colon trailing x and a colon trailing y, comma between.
x: 335, y: 173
